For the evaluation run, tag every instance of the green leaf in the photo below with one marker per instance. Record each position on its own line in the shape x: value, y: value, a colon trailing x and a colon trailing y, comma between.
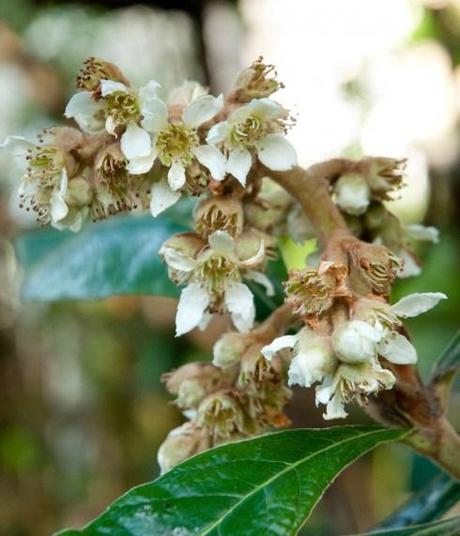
x: 118, y: 256
x: 449, y: 362
x: 294, y: 254
x: 428, y: 504
x: 449, y: 527
x: 263, y: 486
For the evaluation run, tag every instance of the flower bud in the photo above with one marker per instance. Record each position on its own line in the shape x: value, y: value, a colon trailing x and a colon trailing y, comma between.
x: 355, y: 342
x: 256, y: 82
x: 219, y: 214
x: 181, y: 443
x: 227, y: 351
x: 79, y: 192
x: 352, y: 194
x: 193, y: 382
x: 270, y: 208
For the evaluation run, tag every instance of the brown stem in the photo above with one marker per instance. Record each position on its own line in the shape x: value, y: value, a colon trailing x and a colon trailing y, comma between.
x: 311, y: 188
x: 275, y: 325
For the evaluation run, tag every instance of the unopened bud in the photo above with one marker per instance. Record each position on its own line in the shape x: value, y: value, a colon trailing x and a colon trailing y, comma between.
x: 181, y: 443
x: 79, y: 192
x: 270, y: 208
x: 193, y: 382
x: 355, y: 342
x: 352, y: 194
x: 227, y: 351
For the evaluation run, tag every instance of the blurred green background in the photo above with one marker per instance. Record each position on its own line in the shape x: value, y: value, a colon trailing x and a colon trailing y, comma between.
x: 83, y: 408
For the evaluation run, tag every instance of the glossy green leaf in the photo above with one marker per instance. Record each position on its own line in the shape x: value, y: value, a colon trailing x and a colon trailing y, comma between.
x: 263, y: 486
x: 449, y: 527
x: 449, y: 362
x: 118, y: 256
x: 428, y: 504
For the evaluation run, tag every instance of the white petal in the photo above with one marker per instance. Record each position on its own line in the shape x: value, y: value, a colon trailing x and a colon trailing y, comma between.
x: 397, y: 349
x: 410, y: 267
x: 286, y: 341
x: 17, y: 145
x: 81, y: 103
x: 155, y: 115
x: 262, y: 279
x: 211, y: 158
x: 218, y: 132
x: 162, y: 197
x: 238, y: 164
x: 109, y: 86
x: 240, y: 304
x: 335, y: 408
x: 255, y: 259
x: 192, y: 304
x: 416, y: 304
x: 149, y: 91
x: 421, y: 232
x: 177, y: 260
x: 276, y: 152
x: 176, y: 176
x: 110, y: 126
x: 221, y: 242
x: 59, y: 208
x: 202, y: 109
x: 265, y: 108
x: 135, y: 142
x: 141, y: 164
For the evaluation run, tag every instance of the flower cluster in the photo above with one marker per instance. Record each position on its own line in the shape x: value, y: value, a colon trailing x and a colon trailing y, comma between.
x: 140, y: 149
x: 135, y: 149
x: 347, y: 341
x: 238, y: 395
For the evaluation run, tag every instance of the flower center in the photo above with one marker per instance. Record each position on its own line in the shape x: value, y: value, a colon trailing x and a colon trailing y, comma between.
x: 248, y: 132
x: 175, y: 142
x: 122, y: 107
x: 45, y: 164
x: 216, y: 272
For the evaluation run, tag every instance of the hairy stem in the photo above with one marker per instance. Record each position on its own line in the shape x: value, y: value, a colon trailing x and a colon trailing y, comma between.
x: 311, y: 188
x: 410, y: 404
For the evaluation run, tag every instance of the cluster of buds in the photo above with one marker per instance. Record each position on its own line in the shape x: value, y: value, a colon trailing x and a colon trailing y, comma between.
x: 240, y: 394
x: 348, y: 341
x: 360, y: 194
x: 135, y: 150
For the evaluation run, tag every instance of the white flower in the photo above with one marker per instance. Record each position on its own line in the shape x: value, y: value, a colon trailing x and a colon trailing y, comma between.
x: 88, y: 113
x: 383, y: 319
x: 45, y: 185
x: 255, y: 127
x: 352, y: 194
x: 417, y: 231
x: 357, y: 381
x: 175, y: 143
x: 312, y: 356
x: 213, y: 275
